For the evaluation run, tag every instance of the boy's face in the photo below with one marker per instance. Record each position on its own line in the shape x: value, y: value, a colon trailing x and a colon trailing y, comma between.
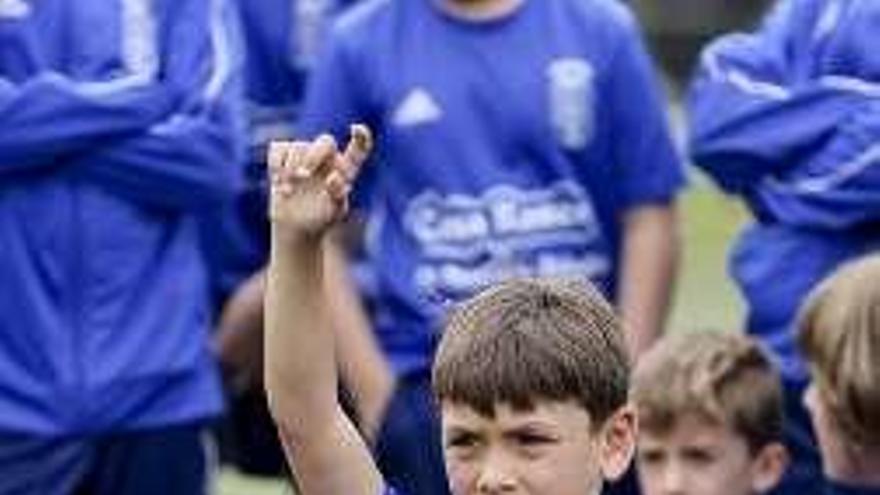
x: 550, y: 449
x: 700, y: 458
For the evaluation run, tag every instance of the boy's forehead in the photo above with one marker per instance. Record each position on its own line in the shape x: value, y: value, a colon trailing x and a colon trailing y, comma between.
x: 543, y: 413
x: 694, y: 429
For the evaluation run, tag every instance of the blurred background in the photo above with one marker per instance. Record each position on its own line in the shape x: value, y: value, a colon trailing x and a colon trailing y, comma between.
x: 677, y: 29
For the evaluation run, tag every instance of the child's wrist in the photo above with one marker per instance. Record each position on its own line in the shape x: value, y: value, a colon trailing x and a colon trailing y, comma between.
x: 287, y: 238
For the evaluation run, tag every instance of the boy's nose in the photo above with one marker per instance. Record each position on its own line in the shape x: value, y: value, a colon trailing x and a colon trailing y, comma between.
x: 674, y: 480
x: 493, y: 483
x: 495, y: 477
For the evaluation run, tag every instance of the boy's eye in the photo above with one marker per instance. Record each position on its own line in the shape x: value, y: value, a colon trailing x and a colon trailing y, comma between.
x: 531, y: 445
x: 650, y: 456
x: 462, y: 441
x: 699, y: 456
x: 532, y: 439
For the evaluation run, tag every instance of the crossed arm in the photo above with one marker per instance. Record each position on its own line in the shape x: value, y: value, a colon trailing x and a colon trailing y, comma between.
x: 165, y: 137
x: 778, y: 119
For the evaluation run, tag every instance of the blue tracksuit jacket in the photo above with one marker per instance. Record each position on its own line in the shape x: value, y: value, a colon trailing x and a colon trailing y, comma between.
x: 119, y: 119
x: 788, y: 118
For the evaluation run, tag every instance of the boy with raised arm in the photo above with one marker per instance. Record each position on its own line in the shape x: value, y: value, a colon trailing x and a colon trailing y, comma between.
x: 531, y: 376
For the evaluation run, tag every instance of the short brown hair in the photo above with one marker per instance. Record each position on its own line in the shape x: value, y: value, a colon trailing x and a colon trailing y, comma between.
x: 839, y: 332
x: 534, y: 339
x: 722, y: 378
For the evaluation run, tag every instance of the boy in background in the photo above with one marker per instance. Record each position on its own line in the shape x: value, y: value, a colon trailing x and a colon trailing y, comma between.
x: 840, y: 337
x: 531, y: 376
x: 710, y: 417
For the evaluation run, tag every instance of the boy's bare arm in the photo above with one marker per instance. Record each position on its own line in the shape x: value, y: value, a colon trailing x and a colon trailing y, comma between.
x: 310, y: 183
x: 651, y: 250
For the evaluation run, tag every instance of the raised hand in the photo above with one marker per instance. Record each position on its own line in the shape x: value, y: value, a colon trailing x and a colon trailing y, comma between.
x: 310, y: 181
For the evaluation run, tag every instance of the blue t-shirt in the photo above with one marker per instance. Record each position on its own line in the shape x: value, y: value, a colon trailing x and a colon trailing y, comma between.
x: 506, y: 147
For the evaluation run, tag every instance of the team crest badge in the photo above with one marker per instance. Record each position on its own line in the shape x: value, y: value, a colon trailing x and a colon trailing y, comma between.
x: 572, y: 101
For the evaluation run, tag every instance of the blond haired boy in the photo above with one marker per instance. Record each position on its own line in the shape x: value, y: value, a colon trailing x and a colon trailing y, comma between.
x: 839, y: 333
x: 710, y: 417
x: 531, y: 376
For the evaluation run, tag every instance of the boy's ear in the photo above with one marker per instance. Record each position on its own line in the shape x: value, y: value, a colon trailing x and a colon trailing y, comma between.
x: 768, y: 466
x: 618, y: 443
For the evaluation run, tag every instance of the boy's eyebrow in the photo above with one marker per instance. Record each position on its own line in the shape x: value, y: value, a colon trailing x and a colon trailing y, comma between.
x: 461, y: 430
x: 533, y: 425
x: 701, y: 448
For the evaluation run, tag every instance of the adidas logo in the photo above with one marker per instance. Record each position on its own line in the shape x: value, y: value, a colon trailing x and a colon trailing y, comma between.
x: 417, y: 108
x: 14, y: 9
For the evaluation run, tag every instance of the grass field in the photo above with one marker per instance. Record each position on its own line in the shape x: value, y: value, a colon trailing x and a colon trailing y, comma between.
x: 705, y: 298
x: 231, y: 483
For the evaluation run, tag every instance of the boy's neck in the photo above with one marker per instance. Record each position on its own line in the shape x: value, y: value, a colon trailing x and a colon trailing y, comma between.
x: 479, y: 9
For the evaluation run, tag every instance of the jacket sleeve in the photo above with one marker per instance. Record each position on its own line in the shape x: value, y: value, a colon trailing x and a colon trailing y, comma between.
x: 786, y: 118
x: 838, y: 187
x: 195, y: 156
x: 45, y: 115
x: 757, y: 105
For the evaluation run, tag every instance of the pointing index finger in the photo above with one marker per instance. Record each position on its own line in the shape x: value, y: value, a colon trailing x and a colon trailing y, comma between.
x: 358, y: 149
